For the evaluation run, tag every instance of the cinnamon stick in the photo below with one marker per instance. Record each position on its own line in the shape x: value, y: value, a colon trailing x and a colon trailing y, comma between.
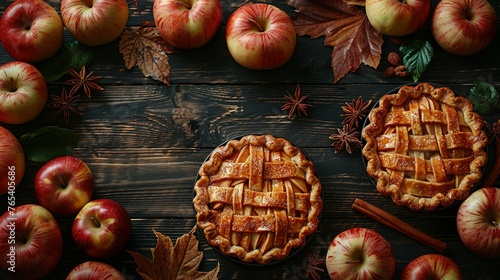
x: 495, y: 171
x: 393, y: 222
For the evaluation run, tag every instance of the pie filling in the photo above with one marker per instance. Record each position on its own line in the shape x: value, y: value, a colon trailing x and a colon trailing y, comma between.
x: 257, y: 198
x: 425, y: 146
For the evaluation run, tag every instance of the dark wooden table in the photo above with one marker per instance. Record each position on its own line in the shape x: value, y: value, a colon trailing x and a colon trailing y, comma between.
x: 145, y: 142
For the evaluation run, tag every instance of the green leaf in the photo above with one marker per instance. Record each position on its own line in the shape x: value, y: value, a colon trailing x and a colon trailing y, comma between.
x: 417, y: 55
x: 485, y: 98
x: 46, y: 143
x: 71, y: 55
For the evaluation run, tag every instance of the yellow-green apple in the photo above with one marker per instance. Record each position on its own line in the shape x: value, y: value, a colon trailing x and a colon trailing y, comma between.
x: 64, y: 185
x: 32, y: 242
x: 464, y: 27
x: 12, y: 164
x: 478, y: 222
x: 431, y: 266
x: 260, y: 36
x: 23, y: 92
x: 187, y: 24
x: 94, y: 22
x: 102, y: 228
x: 360, y: 253
x: 397, y: 17
x: 94, y: 270
x: 31, y: 30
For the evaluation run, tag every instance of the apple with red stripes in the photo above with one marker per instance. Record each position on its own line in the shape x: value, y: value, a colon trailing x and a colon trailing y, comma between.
x: 12, y: 164
x: 478, y: 222
x: 260, y: 36
x: 187, y: 24
x: 64, y: 185
x: 396, y: 17
x: 464, y: 27
x: 31, y: 30
x: 102, y: 228
x: 23, y: 92
x: 360, y: 253
x: 32, y: 242
x: 94, y: 22
x: 94, y: 270
x: 432, y: 266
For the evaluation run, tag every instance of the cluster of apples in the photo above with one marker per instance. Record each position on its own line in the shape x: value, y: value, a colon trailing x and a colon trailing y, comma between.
x: 362, y: 253
x: 460, y: 27
x: 64, y: 188
x: 258, y: 35
x: 32, y: 31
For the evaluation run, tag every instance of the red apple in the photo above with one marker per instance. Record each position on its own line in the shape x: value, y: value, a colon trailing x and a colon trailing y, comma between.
x: 64, y: 185
x: 94, y: 270
x: 23, y: 92
x: 12, y: 164
x: 360, y: 253
x: 431, y: 266
x: 397, y: 18
x: 32, y: 242
x: 478, y: 222
x: 260, y: 36
x: 464, y: 27
x: 94, y: 22
x: 102, y: 228
x: 31, y: 31
x: 187, y: 24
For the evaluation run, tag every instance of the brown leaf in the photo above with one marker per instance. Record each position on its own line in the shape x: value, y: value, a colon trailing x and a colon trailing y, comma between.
x: 346, y: 28
x: 173, y: 262
x: 144, y: 47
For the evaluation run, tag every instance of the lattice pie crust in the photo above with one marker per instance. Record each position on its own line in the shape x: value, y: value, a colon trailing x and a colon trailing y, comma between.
x: 425, y: 146
x: 257, y: 198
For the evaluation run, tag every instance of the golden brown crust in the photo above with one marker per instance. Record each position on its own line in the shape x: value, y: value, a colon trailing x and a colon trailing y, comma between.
x: 257, y: 198
x: 424, y: 146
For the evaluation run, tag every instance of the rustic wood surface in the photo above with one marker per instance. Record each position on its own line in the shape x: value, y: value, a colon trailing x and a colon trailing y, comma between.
x: 145, y: 141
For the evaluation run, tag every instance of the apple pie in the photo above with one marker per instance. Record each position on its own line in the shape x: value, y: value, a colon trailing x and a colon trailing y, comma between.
x: 257, y: 198
x: 425, y: 147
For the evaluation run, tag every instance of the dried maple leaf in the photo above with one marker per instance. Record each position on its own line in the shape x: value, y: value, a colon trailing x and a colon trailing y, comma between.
x: 173, y: 262
x: 346, y: 28
x: 143, y: 46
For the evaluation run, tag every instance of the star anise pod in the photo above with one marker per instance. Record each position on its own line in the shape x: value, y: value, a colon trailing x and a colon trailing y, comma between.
x: 315, y: 266
x: 346, y: 138
x: 355, y: 111
x: 83, y: 80
x: 493, y: 131
x: 296, y: 103
x: 64, y: 105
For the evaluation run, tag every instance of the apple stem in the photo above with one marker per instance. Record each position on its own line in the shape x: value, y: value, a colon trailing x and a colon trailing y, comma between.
x: 62, y: 182
x: 95, y: 222
x: 353, y: 261
x: 90, y: 3
x: 21, y: 239
x: 183, y: 4
x: 254, y: 22
x: 13, y: 83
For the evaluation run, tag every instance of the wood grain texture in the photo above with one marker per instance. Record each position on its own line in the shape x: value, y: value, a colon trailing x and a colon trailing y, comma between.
x: 145, y: 142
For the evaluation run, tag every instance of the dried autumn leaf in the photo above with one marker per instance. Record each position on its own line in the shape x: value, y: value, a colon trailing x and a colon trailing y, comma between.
x: 144, y: 47
x: 173, y: 262
x: 346, y: 28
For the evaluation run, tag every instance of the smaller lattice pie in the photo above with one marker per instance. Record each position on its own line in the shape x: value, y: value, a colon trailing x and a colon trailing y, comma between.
x: 425, y: 146
x: 257, y: 198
